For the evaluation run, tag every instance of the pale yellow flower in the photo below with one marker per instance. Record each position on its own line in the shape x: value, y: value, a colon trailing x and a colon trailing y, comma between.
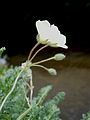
x: 49, y: 34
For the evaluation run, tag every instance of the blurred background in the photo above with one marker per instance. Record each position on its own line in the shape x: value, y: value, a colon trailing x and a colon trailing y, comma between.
x: 18, y: 35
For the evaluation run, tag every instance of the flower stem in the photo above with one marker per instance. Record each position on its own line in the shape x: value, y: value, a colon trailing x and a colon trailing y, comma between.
x: 28, y: 103
x: 24, y: 114
x: 38, y: 52
x: 36, y: 45
x: 13, y: 87
x: 40, y: 67
x: 43, y: 61
x: 31, y: 89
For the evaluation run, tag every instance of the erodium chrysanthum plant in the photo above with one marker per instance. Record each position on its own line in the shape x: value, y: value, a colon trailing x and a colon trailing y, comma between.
x: 49, y: 36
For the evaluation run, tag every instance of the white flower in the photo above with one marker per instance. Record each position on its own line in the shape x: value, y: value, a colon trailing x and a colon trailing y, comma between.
x: 49, y: 34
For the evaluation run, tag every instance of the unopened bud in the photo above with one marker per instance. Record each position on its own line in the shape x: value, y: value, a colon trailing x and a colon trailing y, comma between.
x: 59, y: 56
x: 52, y: 71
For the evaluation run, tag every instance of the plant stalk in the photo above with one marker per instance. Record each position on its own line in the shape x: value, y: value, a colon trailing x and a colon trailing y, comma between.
x: 45, y: 60
x: 31, y: 90
x: 13, y: 87
x: 36, y: 45
x: 38, y: 52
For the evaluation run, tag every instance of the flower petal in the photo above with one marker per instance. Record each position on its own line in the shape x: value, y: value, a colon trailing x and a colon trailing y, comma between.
x: 50, y: 34
x: 43, y: 28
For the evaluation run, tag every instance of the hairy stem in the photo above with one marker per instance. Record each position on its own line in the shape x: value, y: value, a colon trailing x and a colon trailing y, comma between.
x: 13, y: 87
x: 45, y: 60
x: 36, y: 45
x: 31, y: 89
x: 28, y: 103
x: 38, y: 52
x: 24, y: 114
x: 40, y: 67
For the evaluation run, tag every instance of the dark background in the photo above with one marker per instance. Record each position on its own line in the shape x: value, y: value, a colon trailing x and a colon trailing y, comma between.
x: 18, y: 31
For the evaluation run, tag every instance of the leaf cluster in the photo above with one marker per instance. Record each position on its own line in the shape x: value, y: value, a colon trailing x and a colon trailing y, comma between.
x: 17, y: 104
x: 86, y: 116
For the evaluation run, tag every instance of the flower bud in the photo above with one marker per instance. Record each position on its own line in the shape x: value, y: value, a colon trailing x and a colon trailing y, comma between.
x: 59, y: 56
x: 52, y: 71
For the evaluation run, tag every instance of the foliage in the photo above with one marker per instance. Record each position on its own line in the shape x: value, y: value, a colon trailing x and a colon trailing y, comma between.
x: 2, y: 50
x: 16, y: 104
x: 45, y: 110
x: 86, y: 116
